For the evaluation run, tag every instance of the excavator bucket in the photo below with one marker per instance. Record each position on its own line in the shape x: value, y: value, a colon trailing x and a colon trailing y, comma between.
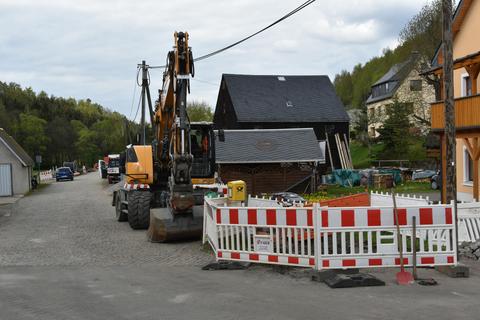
x: 168, y: 227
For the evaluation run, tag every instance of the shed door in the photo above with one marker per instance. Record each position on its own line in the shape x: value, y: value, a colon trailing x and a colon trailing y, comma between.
x: 5, y: 180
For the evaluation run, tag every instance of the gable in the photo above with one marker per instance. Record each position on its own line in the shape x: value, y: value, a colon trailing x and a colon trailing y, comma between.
x: 9, y: 143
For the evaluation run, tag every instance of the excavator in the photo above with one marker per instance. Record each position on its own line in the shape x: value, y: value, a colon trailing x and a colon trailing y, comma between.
x: 158, y: 192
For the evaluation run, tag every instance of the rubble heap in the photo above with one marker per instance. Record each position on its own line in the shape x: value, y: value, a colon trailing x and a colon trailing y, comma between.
x: 470, y: 250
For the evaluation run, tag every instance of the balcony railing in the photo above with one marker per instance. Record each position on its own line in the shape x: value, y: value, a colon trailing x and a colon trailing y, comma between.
x: 467, y: 113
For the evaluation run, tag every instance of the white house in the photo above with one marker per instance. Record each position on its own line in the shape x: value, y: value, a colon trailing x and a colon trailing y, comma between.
x: 15, y: 167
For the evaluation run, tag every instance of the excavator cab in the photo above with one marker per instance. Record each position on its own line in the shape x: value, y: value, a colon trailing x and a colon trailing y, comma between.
x: 202, y: 144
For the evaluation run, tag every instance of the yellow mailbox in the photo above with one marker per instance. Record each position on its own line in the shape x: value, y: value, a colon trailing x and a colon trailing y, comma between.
x: 237, y: 190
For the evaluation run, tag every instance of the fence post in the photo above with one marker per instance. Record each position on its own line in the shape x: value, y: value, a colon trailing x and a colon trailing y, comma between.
x: 317, y: 224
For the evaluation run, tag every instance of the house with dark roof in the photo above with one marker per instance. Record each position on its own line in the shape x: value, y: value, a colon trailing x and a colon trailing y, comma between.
x: 269, y: 160
x: 282, y: 102
x: 404, y: 83
x: 15, y: 167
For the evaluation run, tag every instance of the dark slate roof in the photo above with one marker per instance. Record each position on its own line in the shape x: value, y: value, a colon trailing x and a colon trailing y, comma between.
x: 264, y: 98
x: 394, y: 77
x: 15, y: 148
x: 268, y: 146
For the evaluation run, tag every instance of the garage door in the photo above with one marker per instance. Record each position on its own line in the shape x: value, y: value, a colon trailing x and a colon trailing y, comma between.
x: 5, y: 180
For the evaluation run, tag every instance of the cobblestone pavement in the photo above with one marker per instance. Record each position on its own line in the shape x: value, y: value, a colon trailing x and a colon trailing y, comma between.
x: 72, y: 223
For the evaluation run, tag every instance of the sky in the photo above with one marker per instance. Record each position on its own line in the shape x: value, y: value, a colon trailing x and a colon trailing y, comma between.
x: 91, y: 48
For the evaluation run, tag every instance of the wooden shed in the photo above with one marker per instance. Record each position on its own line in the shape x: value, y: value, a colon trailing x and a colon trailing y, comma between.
x: 269, y: 160
x: 278, y: 102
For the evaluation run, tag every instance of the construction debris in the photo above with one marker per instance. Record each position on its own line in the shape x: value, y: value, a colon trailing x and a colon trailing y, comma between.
x: 470, y: 250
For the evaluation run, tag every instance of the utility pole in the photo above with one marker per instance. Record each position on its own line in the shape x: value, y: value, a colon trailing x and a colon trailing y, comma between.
x: 145, y: 96
x: 450, y: 135
x: 451, y: 186
x: 144, y: 83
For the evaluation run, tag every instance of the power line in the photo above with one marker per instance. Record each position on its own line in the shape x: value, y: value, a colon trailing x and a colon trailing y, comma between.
x: 204, y: 81
x: 134, y: 92
x: 211, y: 54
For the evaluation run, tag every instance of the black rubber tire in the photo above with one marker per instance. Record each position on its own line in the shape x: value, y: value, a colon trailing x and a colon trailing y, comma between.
x: 119, y: 215
x: 139, y: 209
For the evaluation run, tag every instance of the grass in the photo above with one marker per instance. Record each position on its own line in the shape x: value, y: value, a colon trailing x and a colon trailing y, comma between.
x: 335, y: 191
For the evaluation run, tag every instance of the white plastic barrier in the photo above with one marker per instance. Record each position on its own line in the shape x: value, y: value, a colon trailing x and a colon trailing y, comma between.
x: 257, y: 234
x: 328, y: 238
x: 468, y: 221
x: 262, y: 202
x: 367, y: 237
x: 378, y: 199
x: 46, y: 175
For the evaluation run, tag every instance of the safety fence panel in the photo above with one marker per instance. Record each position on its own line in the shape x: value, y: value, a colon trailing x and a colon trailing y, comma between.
x: 468, y: 221
x: 274, y: 235
x: 381, y: 199
x: 330, y: 238
x: 46, y: 175
x: 367, y: 237
x: 262, y: 202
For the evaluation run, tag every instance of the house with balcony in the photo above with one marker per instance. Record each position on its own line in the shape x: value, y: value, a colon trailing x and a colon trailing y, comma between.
x: 466, y: 65
x: 403, y: 83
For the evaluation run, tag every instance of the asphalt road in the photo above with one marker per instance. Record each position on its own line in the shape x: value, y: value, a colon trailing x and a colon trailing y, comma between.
x: 63, y: 256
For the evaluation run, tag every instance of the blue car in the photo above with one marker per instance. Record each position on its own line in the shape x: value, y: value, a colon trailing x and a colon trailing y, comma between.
x: 64, y: 173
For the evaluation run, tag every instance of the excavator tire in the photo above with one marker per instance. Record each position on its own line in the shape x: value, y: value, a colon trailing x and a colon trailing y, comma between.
x: 139, y: 209
x: 119, y: 214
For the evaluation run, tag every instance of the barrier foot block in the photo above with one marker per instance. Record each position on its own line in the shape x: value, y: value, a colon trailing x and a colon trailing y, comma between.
x: 321, y: 276
x: 458, y: 271
x: 226, y: 265
x: 353, y: 280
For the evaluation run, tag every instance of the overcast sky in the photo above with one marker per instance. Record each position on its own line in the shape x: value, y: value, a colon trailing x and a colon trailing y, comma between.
x: 90, y: 49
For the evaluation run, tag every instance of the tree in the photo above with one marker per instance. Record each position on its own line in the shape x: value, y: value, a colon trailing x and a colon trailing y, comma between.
x: 423, y: 33
x: 344, y: 87
x: 395, y: 134
x: 199, y: 111
x: 31, y: 134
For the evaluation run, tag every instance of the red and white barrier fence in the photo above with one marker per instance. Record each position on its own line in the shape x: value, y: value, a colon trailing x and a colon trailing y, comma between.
x: 367, y: 237
x: 328, y: 238
x: 46, y: 175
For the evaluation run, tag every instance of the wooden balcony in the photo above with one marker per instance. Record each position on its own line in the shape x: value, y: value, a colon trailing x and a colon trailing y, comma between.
x: 467, y: 114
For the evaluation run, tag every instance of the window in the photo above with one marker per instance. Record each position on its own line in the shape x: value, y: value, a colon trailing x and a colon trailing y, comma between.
x: 466, y: 85
x: 371, y: 112
x: 372, y: 131
x: 467, y: 167
x: 415, y: 85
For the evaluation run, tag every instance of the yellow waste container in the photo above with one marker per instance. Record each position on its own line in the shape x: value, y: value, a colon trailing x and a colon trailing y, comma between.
x: 237, y: 190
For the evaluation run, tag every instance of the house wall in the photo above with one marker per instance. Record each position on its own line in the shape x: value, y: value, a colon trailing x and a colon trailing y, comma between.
x: 20, y: 175
x: 421, y: 104
x: 467, y: 41
x: 265, y: 178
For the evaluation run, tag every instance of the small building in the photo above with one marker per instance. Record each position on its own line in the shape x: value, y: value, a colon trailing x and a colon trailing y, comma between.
x: 466, y: 70
x: 270, y: 160
x: 15, y: 167
x: 404, y: 83
x: 279, y: 102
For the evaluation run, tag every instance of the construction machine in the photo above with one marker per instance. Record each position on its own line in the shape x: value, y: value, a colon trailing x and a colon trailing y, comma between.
x: 159, y: 192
